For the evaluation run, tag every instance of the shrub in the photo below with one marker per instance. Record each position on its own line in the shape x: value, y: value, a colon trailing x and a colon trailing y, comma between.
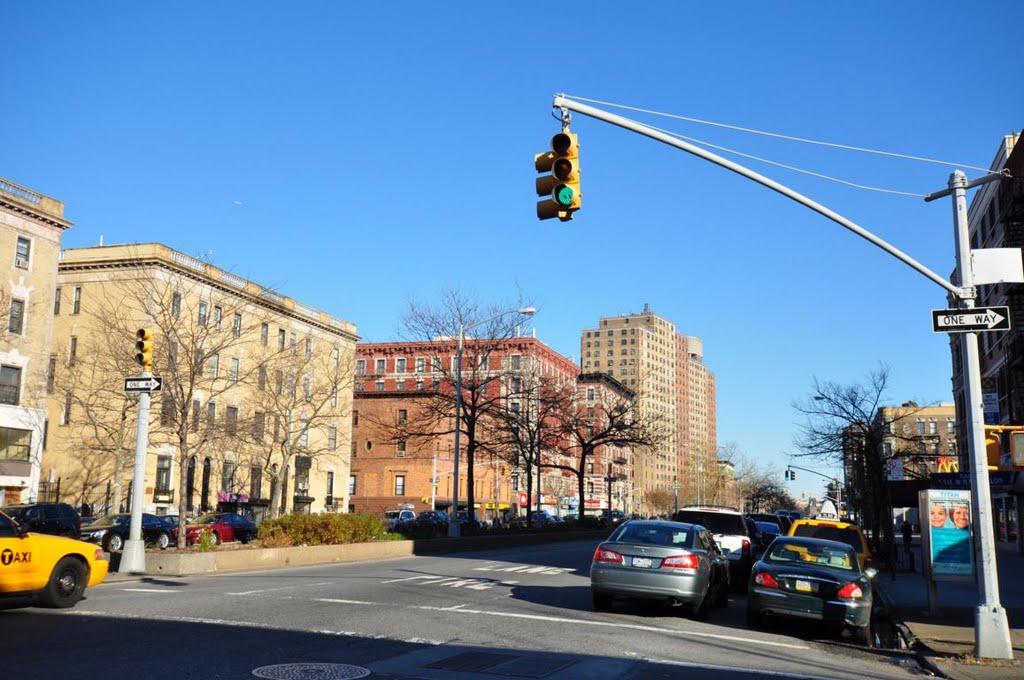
x: 326, y: 529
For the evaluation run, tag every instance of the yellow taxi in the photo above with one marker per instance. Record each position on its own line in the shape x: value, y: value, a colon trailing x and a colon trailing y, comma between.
x: 834, y: 530
x: 54, y: 570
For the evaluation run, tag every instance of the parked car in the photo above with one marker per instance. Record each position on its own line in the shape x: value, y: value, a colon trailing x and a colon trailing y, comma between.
x: 51, y: 570
x: 170, y: 520
x: 832, y: 530
x: 392, y: 518
x: 768, y: 531
x: 224, y: 527
x: 766, y: 517
x: 58, y: 519
x: 730, y: 533
x: 811, y: 578
x: 660, y: 560
x: 428, y: 523
x: 111, y: 531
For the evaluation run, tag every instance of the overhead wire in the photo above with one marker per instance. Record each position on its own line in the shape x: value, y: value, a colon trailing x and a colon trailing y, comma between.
x: 775, y: 135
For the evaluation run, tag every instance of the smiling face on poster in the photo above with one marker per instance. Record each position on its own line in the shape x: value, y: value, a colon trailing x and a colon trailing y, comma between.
x: 948, y: 539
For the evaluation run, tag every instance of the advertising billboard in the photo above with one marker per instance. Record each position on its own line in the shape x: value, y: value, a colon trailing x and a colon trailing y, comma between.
x: 947, y: 534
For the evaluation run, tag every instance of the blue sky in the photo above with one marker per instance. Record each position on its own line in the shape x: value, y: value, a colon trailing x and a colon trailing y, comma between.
x: 357, y: 155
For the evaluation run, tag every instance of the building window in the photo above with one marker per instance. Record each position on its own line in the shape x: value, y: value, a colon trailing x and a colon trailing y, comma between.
x: 421, y: 364
x: 255, y: 481
x: 211, y: 416
x: 56, y: 302
x: 950, y: 427
x: 231, y: 420
x: 214, y: 365
x: 175, y: 304
x: 330, y: 484
x: 281, y: 335
x: 16, y: 320
x: 202, y: 312
x: 236, y: 325
x: 361, y: 367
x: 163, y: 475
x: 76, y: 301
x: 399, y: 485
x: 336, y: 357
x: 259, y: 424
x: 400, y: 449
x: 933, y: 427
x: 294, y: 341
x: 10, y: 385
x: 166, y: 409
x: 590, y: 468
x: 400, y: 365
x: 227, y: 476
x: 304, y: 432
x: 400, y: 385
x: 515, y: 362
x: 197, y: 409
x: 309, y: 348
x: 264, y: 334
x: 355, y: 418
x: 334, y: 397
x: 381, y: 365
x: 380, y: 385
x: 403, y: 416
x: 15, y: 444
x: 332, y: 438
x: 261, y: 378
x: 920, y: 427
x: 22, y: 252
x: 51, y: 373
x: 278, y: 381
x: 65, y: 413
x: 233, y: 370
x: 351, y: 485
x: 435, y: 365
x: 218, y: 313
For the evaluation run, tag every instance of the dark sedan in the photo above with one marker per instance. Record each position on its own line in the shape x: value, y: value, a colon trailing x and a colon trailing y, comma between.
x: 810, y: 578
x: 111, y: 531
x: 659, y: 560
x: 223, y: 527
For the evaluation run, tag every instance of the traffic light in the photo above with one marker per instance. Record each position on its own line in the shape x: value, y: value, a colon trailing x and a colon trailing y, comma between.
x: 562, y: 186
x: 144, y: 348
x: 792, y: 475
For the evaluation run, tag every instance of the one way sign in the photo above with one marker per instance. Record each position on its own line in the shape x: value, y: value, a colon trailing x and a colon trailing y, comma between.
x: 968, y: 320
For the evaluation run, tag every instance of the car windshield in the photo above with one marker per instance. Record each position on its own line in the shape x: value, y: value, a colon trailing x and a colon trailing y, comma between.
x: 826, y: 556
x: 651, y: 534
x: 113, y: 519
x: 206, y: 519
x: 715, y: 522
x: 831, y: 532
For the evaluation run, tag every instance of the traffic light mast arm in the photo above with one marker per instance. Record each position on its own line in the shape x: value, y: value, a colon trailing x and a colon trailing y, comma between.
x: 814, y: 472
x: 562, y: 102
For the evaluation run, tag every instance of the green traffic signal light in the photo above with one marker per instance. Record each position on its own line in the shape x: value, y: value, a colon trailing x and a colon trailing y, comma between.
x: 564, y: 195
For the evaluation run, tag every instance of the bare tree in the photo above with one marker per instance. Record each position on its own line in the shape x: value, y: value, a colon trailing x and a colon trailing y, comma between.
x: 846, y: 425
x: 296, y: 410
x: 482, y: 373
x: 662, y: 501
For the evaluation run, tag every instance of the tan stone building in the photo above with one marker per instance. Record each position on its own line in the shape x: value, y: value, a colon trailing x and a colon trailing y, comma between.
x: 255, y: 410
x: 919, y: 439
x: 31, y: 227
x: 665, y: 368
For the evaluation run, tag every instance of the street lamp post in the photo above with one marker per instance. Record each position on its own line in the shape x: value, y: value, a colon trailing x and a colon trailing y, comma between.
x: 453, y: 525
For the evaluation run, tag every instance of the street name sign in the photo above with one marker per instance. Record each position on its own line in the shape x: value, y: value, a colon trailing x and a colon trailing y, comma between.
x: 971, y: 320
x: 143, y: 384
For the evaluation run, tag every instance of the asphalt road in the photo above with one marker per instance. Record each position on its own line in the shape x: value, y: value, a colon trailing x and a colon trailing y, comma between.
x: 494, y: 614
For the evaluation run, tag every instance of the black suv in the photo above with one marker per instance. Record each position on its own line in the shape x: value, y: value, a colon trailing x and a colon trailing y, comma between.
x: 59, y: 519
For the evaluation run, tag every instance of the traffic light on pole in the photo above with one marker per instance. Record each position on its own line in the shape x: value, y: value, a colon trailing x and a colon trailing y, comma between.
x: 562, y: 186
x: 144, y: 348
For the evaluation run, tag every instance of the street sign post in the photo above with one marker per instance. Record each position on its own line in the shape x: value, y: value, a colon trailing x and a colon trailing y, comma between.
x: 971, y: 320
x: 152, y: 384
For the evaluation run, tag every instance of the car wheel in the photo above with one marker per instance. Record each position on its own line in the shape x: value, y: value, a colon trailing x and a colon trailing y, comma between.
x: 66, y: 584
x: 245, y: 536
x: 163, y: 540
x: 114, y: 543
x: 862, y: 635
x: 602, y: 601
x: 214, y: 538
x: 754, y: 618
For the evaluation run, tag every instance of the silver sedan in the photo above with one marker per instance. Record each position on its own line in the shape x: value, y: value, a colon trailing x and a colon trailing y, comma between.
x: 677, y: 563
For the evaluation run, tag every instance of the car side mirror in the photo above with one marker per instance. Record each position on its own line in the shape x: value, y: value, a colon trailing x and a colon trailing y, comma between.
x: 871, y: 572
x: 22, y: 530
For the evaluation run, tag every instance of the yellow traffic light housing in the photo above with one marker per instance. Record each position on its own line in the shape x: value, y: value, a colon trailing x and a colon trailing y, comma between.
x: 144, y: 348
x: 562, y: 186
x: 1004, y: 447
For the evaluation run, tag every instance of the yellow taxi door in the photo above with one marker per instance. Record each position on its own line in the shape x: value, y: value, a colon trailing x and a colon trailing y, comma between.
x: 16, y: 568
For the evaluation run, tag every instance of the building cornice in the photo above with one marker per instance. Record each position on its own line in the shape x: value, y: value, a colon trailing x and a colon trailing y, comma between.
x: 32, y: 205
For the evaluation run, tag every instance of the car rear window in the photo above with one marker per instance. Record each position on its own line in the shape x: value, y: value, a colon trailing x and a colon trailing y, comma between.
x: 715, y: 522
x: 831, y: 532
x: 652, y: 535
x: 818, y: 555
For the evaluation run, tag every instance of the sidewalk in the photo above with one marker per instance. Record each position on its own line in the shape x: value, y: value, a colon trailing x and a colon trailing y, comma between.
x: 945, y: 640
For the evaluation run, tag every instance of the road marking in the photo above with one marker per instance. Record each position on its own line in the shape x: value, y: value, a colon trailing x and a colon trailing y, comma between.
x: 337, y: 601
x: 147, y: 590
x: 449, y: 582
x: 524, y: 568
x: 274, y: 590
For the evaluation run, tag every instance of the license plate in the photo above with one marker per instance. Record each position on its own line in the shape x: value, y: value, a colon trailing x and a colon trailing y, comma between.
x: 804, y: 586
x: 642, y: 562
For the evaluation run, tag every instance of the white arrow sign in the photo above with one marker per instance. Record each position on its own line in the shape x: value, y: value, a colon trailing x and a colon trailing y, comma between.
x: 967, y: 320
x: 142, y: 384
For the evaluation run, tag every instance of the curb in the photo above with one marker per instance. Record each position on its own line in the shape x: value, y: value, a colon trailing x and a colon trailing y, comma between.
x: 921, y: 651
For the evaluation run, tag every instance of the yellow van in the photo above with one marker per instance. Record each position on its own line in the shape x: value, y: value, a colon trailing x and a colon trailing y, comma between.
x: 833, y: 530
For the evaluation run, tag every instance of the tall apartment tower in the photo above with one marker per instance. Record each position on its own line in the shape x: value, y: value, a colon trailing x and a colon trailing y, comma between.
x: 647, y: 354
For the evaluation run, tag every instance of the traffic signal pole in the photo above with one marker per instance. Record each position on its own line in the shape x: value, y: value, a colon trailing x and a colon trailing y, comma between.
x: 133, y: 556
x: 992, y: 633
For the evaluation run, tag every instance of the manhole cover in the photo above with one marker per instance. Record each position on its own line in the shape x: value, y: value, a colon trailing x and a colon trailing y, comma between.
x: 311, y: 671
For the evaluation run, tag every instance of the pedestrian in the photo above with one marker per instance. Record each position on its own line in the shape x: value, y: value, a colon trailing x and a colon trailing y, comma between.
x: 908, y: 532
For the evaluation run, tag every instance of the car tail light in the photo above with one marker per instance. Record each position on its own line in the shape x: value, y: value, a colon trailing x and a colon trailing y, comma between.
x: 765, y: 579
x: 686, y: 561
x: 603, y: 554
x: 851, y: 591
x: 746, y: 545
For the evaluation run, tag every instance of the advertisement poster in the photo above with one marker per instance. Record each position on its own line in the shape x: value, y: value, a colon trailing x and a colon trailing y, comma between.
x: 947, y: 533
